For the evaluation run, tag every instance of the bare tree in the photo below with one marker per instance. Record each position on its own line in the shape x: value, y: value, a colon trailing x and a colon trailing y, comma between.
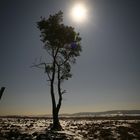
x: 62, y: 44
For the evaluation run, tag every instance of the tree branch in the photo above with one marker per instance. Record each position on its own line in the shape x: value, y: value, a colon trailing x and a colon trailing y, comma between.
x: 45, y: 64
x: 59, y: 90
x: 66, y: 59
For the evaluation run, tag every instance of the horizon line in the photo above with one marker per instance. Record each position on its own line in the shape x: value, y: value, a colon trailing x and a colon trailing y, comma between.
x: 49, y: 114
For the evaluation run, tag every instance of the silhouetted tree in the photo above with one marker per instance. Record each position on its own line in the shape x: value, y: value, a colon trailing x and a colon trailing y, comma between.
x: 1, y: 91
x: 62, y: 43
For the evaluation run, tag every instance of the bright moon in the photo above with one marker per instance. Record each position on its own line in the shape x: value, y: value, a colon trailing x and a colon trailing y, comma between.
x: 79, y: 12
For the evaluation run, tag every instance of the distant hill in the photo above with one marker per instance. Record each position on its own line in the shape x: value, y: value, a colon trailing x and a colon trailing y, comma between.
x: 104, y: 113
x: 88, y: 114
x: 110, y: 113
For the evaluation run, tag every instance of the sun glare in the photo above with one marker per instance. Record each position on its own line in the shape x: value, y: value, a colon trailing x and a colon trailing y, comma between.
x: 79, y: 12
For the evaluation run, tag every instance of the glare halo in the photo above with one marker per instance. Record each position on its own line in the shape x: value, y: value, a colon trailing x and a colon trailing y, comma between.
x: 79, y: 12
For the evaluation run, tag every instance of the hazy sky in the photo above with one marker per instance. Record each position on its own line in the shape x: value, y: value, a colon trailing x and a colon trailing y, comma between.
x: 107, y: 74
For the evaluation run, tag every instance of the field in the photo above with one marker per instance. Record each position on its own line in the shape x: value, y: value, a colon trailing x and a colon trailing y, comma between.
x: 97, y: 128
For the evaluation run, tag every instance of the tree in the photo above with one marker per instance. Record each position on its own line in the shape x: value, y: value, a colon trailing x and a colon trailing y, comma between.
x: 62, y: 44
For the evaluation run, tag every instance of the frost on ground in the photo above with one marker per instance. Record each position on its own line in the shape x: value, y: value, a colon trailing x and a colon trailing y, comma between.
x: 74, y: 129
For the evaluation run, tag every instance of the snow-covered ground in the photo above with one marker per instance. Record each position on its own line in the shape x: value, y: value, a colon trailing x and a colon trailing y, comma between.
x: 74, y: 129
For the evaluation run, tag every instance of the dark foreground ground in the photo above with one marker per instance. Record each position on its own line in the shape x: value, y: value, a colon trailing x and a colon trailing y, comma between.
x: 97, y: 128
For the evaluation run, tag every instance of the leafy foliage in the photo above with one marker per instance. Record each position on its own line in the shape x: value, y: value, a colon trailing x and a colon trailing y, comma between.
x: 61, y: 42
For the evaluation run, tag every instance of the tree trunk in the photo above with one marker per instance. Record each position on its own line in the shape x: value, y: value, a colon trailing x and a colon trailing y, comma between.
x: 55, y: 112
x: 56, y: 124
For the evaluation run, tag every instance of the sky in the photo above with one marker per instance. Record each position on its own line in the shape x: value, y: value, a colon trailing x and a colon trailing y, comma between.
x: 106, y: 75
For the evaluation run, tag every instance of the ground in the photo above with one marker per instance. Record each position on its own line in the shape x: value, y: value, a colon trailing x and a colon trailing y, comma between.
x: 74, y: 129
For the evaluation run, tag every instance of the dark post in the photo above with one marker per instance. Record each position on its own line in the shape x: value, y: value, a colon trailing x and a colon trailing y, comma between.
x: 1, y: 91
